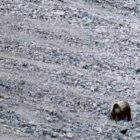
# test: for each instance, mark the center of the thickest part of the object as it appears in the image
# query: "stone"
(69, 135)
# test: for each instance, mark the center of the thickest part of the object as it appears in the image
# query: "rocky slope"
(63, 63)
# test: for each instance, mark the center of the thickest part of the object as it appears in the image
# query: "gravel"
(63, 63)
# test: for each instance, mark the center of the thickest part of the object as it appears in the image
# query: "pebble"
(1, 98)
(69, 135)
(94, 89)
(99, 129)
(137, 70)
(54, 135)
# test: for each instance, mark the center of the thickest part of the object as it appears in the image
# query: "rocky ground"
(63, 63)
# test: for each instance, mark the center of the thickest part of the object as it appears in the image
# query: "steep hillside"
(63, 63)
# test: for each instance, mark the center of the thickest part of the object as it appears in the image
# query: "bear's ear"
(115, 106)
